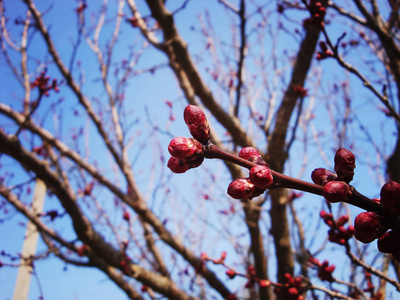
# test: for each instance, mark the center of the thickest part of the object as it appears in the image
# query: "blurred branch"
(242, 50)
(189, 78)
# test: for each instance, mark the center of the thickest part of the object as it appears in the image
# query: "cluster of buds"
(371, 288)
(290, 289)
(370, 226)
(42, 83)
(317, 14)
(325, 52)
(324, 269)
(337, 233)
(336, 185)
(260, 177)
(187, 153)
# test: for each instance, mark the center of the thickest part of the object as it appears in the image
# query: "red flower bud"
(345, 164)
(390, 198)
(231, 273)
(223, 255)
(321, 176)
(177, 165)
(368, 227)
(197, 123)
(126, 216)
(342, 220)
(194, 161)
(389, 242)
(249, 153)
(336, 191)
(181, 147)
(293, 291)
(261, 176)
(264, 283)
(243, 189)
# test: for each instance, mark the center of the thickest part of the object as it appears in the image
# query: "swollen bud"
(197, 123)
(390, 198)
(181, 147)
(177, 165)
(251, 154)
(345, 163)
(336, 191)
(261, 176)
(322, 176)
(368, 227)
(243, 188)
(389, 242)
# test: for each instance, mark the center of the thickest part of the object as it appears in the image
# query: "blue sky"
(145, 102)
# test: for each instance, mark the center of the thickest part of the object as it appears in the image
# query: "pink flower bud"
(242, 189)
(368, 227)
(177, 165)
(292, 292)
(197, 123)
(231, 273)
(251, 154)
(390, 198)
(336, 191)
(264, 283)
(261, 176)
(342, 220)
(181, 147)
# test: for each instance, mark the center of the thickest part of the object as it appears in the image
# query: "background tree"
(83, 108)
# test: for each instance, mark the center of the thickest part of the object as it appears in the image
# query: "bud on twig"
(390, 198)
(336, 191)
(251, 154)
(197, 123)
(322, 176)
(345, 163)
(177, 165)
(243, 189)
(261, 176)
(368, 227)
(181, 147)
(389, 242)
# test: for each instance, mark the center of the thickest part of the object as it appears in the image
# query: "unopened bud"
(197, 123)
(389, 242)
(322, 176)
(342, 220)
(181, 147)
(231, 273)
(251, 154)
(177, 165)
(261, 176)
(336, 191)
(345, 163)
(264, 283)
(368, 227)
(390, 198)
(243, 189)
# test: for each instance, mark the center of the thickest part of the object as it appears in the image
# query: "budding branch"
(283, 181)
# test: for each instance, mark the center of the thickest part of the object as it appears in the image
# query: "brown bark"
(276, 152)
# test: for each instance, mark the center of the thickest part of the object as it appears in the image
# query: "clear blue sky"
(146, 95)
